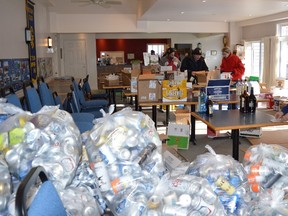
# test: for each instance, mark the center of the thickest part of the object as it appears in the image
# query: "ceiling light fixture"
(182, 12)
(168, 20)
(203, 1)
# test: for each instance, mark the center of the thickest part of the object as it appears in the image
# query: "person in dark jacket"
(196, 63)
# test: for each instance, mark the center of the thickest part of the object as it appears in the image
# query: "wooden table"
(111, 90)
(128, 93)
(191, 102)
(234, 120)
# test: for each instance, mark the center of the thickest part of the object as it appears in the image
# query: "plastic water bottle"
(202, 101)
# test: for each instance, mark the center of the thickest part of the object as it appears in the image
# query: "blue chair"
(84, 104)
(48, 99)
(46, 201)
(33, 101)
(88, 93)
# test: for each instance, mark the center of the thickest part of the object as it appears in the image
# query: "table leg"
(114, 100)
(167, 114)
(220, 106)
(154, 115)
(193, 127)
(136, 102)
(235, 150)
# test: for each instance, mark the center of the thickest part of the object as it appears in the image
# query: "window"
(254, 54)
(158, 48)
(283, 60)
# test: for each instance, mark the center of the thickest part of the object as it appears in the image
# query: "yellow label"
(16, 136)
(225, 185)
(174, 90)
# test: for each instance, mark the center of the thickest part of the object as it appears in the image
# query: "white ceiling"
(177, 10)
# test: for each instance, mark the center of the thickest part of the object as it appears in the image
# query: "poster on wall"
(13, 72)
(31, 45)
(45, 67)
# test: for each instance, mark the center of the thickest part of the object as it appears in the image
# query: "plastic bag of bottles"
(227, 178)
(185, 195)
(265, 165)
(5, 186)
(124, 151)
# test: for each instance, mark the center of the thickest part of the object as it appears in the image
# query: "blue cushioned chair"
(46, 201)
(84, 104)
(33, 101)
(48, 99)
(88, 93)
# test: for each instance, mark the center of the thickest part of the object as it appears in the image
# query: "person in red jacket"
(232, 63)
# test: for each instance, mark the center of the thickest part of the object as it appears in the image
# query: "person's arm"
(282, 113)
(239, 68)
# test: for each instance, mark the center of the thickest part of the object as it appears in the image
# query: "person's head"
(170, 52)
(152, 52)
(197, 53)
(226, 51)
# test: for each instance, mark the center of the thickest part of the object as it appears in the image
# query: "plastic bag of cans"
(265, 165)
(227, 178)
(184, 195)
(271, 202)
(5, 186)
(124, 151)
(48, 138)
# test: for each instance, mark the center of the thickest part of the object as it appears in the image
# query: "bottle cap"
(255, 188)
(185, 200)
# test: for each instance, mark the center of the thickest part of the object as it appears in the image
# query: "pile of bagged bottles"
(118, 166)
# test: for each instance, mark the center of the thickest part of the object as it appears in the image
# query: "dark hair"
(197, 51)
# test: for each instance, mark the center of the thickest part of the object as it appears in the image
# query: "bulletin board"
(118, 55)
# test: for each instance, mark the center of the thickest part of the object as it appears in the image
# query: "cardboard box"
(151, 69)
(112, 82)
(174, 90)
(149, 88)
(171, 157)
(218, 89)
(178, 134)
(182, 116)
(201, 76)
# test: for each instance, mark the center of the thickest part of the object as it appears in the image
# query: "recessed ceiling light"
(250, 14)
(168, 20)
(182, 12)
(203, 1)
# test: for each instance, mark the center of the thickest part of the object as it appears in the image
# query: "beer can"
(106, 154)
(102, 176)
(174, 210)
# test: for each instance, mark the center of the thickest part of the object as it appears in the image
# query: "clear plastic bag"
(124, 150)
(5, 186)
(185, 195)
(265, 165)
(227, 178)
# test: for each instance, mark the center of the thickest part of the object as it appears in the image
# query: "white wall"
(114, 23)
(13, 23)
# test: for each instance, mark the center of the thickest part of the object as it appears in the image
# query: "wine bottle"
(244, 102)
(209, 106)
(252, 102)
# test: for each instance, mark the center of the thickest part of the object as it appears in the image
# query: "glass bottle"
(252, 102)
(239, 87)
(244, 102)
(209, 106)
(202, 101)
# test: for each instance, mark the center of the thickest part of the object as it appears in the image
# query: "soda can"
(174, 210)
(154, 202)
(106, 154)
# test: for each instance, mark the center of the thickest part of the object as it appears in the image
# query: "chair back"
(45, 93)
(45, 202)
(57, 100)
(9, 93)
(32, 97)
